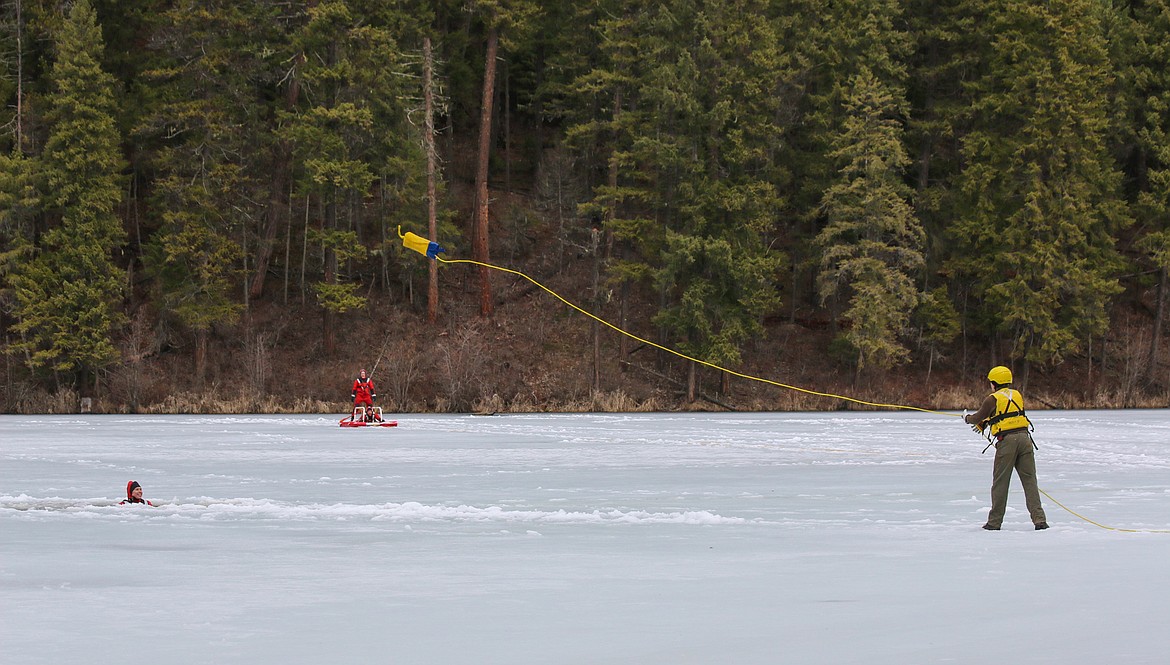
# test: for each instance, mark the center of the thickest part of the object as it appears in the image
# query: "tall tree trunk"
(244, 269)
(329, 320)
(385, 256)
(329, 331)
(661, 357)
(507, 128)
(200, 358)
(596, 328)
(692, 381)
(19, 78)
(275, 215)
(612, 181)
(624, 318)
(1089, 368)
(288, 244)
(929, 369)
(927, 147)
(1159, 312)
(480, 244)
(432, 210)
(277, 212)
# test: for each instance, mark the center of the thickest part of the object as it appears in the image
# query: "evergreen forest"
(206, 197)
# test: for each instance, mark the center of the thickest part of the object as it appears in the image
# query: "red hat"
(130, 487)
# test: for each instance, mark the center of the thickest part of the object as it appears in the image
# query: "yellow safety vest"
(1009, 411)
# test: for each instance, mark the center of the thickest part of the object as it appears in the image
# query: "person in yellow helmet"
(1010, 430)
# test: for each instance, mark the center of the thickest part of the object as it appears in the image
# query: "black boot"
(1040, 526)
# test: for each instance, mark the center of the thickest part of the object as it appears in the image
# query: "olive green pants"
(1014, 451)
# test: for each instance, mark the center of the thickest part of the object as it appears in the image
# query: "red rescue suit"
(363, 392)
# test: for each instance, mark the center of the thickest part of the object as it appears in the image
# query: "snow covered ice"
(579, 539)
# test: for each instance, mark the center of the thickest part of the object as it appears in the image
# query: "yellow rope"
(756, 378)
(1103, 526)
(685, 356)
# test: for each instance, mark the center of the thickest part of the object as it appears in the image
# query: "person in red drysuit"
(363, 394)
(134, 494)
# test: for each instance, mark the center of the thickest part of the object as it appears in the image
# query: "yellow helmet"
(999, 374)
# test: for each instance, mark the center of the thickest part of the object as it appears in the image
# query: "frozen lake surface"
(579, 539)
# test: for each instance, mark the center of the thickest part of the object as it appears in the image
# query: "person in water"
(134, 494)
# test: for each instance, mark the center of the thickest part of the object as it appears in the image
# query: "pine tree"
(327, 134)
(209, 148)
(12, 38)
(940, 324)
(948, 46)
(689, 130)
(506, 21)
(872, 243)
(195, 261)
(18, 205)
(351, 132)
(833, 42)
(1150, 80)
(69, 296)
(592, 88)
(730, 208)
(1040, 190)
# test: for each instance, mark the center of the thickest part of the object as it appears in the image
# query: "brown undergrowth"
(536, 355)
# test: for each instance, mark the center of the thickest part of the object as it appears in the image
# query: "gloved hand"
(977, 428)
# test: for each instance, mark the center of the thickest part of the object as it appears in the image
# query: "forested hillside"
(201, 202)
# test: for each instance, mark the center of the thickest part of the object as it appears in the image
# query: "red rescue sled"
(367, 417)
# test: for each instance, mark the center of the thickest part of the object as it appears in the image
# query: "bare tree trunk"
(692, 381)
(480, 244)
(19, 78)
(596, 327)
(612, 181)
(382, 245)
(1159, 312)
(244, 269)
(792, 297)
(929, 368)
(507, 128)
(432, 214)
(288, 244)
(562, 238)
(276, 215)
(660, 358)
(200, 358)
(304, 249)
(624, 318)
(927, 148)
(329, 331)
(329, 320)
(1089, 368)
(1104, 356)
(963, 321)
